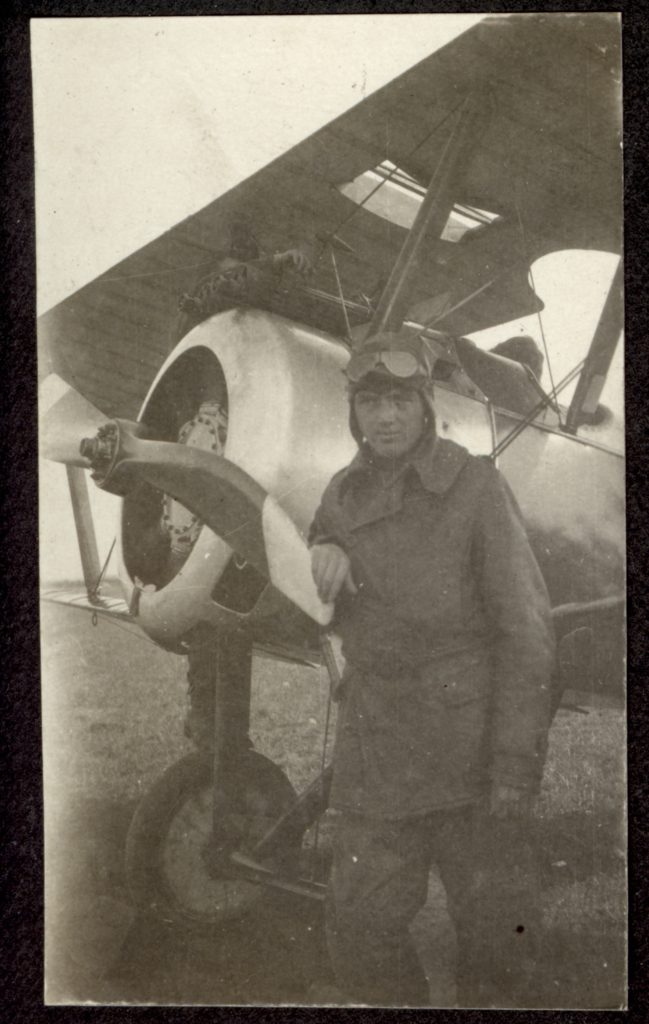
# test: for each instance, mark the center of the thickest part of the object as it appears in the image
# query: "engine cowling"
(276, 390)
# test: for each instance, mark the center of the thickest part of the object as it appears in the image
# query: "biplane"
(424, 207)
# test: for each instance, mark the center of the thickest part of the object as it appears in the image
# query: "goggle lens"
(399, 364)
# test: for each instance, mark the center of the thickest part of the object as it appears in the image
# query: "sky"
(140, 122)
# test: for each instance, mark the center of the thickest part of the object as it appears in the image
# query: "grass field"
(113, 706)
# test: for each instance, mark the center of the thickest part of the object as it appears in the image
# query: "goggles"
(397, 363)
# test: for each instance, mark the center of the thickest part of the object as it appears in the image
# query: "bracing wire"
(95, 589)
(340, 292)
(346, 219)
(458, 305)
(384, 180)
(547, 400)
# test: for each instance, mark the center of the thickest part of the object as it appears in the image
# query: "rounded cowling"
(281, 390)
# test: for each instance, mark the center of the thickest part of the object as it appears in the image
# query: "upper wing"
(546, 167)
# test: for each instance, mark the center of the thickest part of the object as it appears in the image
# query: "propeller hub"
(100, 449)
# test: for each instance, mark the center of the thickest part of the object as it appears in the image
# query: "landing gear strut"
(169, 873)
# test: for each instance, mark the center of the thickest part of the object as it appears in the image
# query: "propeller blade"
(249, 519)
(289, 562)
(65, 416)
(226, 499)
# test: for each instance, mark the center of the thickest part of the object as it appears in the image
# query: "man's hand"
(510, 802)
(296, 260)
(331, 569)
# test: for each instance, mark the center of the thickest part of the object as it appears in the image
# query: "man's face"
(391, 421)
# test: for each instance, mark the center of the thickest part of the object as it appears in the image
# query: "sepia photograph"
(332, 510)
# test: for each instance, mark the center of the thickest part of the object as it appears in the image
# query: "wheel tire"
(165, 871)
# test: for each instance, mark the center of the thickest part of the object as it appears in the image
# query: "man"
(444, 709)
(242, 277)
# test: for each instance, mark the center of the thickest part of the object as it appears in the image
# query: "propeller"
(64, 417)
(223, 496)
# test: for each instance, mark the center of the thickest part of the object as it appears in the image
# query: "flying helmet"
(387, 360)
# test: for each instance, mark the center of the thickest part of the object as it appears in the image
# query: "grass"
(113, 707)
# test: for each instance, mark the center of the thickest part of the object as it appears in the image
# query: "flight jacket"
(449, 642)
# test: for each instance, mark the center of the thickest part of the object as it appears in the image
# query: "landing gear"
(171, 866)
(217, 830)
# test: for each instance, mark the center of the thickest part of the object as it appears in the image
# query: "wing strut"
(431, 217)
(590, 384)
(85, 529)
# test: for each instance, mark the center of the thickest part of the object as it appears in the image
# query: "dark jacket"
(449, 642)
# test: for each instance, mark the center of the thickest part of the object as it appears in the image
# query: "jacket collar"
(436, 461)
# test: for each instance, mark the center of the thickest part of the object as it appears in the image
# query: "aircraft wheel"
(165, 870)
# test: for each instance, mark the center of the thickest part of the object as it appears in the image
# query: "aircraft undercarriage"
(210, 836)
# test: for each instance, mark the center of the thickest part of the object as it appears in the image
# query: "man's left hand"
(296, 260)
(510, 802)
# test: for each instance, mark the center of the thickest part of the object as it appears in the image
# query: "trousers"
(379, 881)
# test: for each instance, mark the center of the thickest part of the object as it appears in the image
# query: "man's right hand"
(331, 569)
